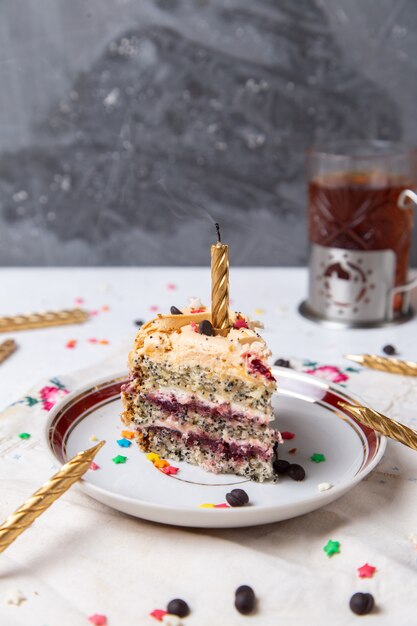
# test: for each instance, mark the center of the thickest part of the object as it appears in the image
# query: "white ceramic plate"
(304, 405)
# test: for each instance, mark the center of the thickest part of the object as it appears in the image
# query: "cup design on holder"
(360, 219)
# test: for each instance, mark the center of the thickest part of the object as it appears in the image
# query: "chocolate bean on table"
(282, 363)
(237, 497)
(389, 349)
(178, 607)
(206, 328)
(280, 466)
(245, 599)
(361, 603)
(296, 472)
(175, 311)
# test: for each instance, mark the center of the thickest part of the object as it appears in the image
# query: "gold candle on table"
(384, 364)
(46, 495)
(42, 320)
(220, 286)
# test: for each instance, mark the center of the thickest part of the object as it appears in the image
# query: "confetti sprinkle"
(317, 457)
(194, 326)
(93, 438)
(79, 301)
(171, 620)
(128, 434)
(259, 311)
(105, 308)
(200, 310)
(119, 459)
(324, 486)
(15, 596)
(104, 342)
(71, 343)
(240, 323)
(332, 547)
(94, 466)
(170, 469)
(206, 505)
(158, 614)
(151, 456)
(366, 571)
(124, 443)
(223, 505)
(171, 287)
(93, 313)
(92, 340)
(98, 620)
(154, 307)
(292, 451)
(24, 435)
(161, 463)
(413, 539)
(287, 435)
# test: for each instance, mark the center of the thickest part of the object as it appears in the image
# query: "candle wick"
(219, 239)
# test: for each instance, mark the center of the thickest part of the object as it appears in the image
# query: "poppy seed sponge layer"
(201, 398)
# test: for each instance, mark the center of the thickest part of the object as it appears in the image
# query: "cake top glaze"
(177, 338)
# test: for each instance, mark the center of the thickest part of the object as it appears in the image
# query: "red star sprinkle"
(170, 470)
(158, 614)
(94, 466)
(98, 620)
(287, 435)
(223, 505)
(366, 571)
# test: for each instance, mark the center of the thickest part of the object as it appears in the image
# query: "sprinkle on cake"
(201, 398)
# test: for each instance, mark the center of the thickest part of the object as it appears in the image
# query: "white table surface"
(81, 557)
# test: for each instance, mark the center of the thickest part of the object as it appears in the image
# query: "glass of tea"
(360, 220)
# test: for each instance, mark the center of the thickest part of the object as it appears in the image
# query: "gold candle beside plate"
(42, 499)
(42, 320)
(7, 348)
(384, 364)
(383, 424)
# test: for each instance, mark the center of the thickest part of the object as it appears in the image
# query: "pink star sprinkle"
(94, 466)
(158, 614)
(171, 286)
(98, 620)
(154, 307)
(71, 343)
(287, 435)
(366, 571)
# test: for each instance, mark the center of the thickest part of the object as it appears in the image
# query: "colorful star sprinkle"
(161, 464)
(154, 308)
(93, 438)
(170, 470)
(324, 486)
(332, 547)
(171, 287)
(259, 311)
(209, 505)
(128, 434)
(317, 457)
(98, 620)
(24, 435)
(94, 466)
(366, 571)
(287, 435)
(124, 443)
(119, 459)
(71, 343)
(158, 614)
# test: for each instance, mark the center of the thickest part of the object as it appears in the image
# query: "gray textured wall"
(101, 99)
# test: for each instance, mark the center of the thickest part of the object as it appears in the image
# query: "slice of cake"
(201, 398)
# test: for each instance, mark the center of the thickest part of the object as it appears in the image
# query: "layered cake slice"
(201, 398)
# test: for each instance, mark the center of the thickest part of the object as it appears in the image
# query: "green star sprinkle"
(317, 458)
(119, 459)
(24, 436)
(332, 547)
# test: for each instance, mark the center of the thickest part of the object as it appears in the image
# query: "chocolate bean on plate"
(389, 349)
(245, 599)
(280, 466)
(296, 472)
(178, 607)
(237, 497)
(361, 603)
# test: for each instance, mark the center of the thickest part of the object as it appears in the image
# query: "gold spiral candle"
(42, 320)
(220, 286)
(384, 364)
(7, 348)
(42, 499)
(383, 424)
